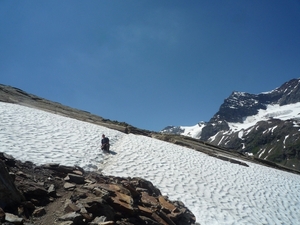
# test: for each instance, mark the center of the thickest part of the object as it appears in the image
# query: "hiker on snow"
(105, 143)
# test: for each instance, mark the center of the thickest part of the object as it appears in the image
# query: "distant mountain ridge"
(265, 125)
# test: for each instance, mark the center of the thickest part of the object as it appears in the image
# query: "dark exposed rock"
(2, 215)
(9, 194)
(90, 198)
(74, 178)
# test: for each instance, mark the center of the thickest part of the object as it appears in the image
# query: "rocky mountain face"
(240, 105)
(272, 138)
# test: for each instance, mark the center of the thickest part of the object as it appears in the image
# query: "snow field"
(217, 192)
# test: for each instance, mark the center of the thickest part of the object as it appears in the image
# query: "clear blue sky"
(148, 63)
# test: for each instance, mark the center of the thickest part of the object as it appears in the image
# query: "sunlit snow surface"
(285, 112)
(216, 191)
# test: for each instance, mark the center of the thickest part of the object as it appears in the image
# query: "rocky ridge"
(57, 194)
(239, 105)
(272, 141)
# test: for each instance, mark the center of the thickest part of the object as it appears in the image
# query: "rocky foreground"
(63, 195)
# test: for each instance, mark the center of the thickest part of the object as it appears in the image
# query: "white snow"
(240, 134)
(216, 191)
(295, 124)
(221, 140)
(193, 131)
(285, 112)
(285, 140)
(291, 111)
(261, 153)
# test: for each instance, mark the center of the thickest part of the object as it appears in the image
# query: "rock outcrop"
(9, 195)
(56, 194)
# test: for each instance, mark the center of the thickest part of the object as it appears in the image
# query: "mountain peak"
(265, 125)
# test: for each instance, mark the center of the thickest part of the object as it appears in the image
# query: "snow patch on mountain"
(189, 131)
(193, 131)
(276, 111)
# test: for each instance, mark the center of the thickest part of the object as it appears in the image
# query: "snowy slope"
(285, 112)
(216, 191)
(193, 131)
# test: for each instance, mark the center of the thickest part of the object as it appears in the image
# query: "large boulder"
(9, 194)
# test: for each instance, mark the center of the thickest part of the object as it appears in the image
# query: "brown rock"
(98, 207)
(141, 183)
(165, 204)
(71, 207)
(101, 193)
(74, 178)
(113, 200)
(39, 212)
(145, 211)
(165, 218)
(69, 186)
(159, 219)
(33, 190)
(134, 193)
(119, 205)
(149, 200)
(124, 198)
(114, 188)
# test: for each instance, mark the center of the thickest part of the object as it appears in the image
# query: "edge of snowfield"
(216, 191)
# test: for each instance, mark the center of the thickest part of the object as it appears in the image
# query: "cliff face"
(240, 105)
(273, 138)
